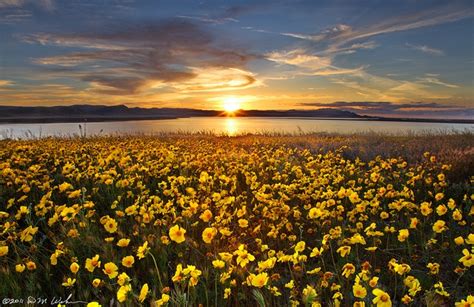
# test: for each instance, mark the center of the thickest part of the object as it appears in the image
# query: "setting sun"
(231, 104)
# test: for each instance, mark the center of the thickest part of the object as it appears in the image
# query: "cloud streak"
(432, 80)
(47, 5)
(342, 34)
(426, 49)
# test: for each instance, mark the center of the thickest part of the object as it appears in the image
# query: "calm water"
(221, 125)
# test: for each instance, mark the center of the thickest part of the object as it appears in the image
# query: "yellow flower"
(243, 223)
(425, 209)
(28, 233)
(92, 263)
(123, 279)
(309, 294)
(348, 269)
(111, 270)
(69, 282)
(128, 261)
(96, 282)
(403, 235)
(30, 265)
(439, 226)
(3, 250)
(457, 215)
(110, 225)
(406, 299)
(468, 302)
(258, 280)
(94, 304)
(20, 268)
(413, 222)
(123, 242)
(315, 213)
(373, 281)
(468, 259)
(243, 256)
(459, 240)
(433, 267)
(439, 288)
(74, 194)
(227, 257)
(122, 293)
(64, 186)
(357, 239)
(143, 250)
(344, 250)
(439, 196)
(74, 267)
(316, 252)
(227, 292)
(218, 264)
(401, 268)
(176, 233)
(208, 234)
(267, 264)
(354, 197)
(441, 210)
(359, 291)
(300, 246)
(290, 284)
(54, 256)
(206, 216)
(381, 299)
(143, 293)
(178, 275)
(163, 300)
(314, 271)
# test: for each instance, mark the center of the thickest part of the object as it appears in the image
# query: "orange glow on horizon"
(231, 104)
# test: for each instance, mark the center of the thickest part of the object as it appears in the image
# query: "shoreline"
(82, 120)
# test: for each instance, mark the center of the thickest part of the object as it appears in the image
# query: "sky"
(393, 58)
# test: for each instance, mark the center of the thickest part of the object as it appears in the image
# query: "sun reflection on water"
(231, 126)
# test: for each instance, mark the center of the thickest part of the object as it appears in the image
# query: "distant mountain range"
(97, 113)
(91, 113)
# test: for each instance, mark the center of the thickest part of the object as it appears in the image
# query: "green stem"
(215, 290)
(157, 271)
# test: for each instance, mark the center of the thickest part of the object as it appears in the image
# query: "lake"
(226, 125)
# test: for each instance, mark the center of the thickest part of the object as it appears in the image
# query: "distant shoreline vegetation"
(92, 113)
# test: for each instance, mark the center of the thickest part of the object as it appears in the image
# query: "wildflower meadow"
(238, 221)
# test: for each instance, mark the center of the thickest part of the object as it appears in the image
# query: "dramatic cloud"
(413, 109)
(282, 53)
(130, 59)
(426, 49)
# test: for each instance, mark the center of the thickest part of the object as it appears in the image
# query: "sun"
(231, 104)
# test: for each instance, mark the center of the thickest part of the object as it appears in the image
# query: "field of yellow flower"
(243, 221)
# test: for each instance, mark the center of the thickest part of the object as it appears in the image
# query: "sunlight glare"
(231, 104)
